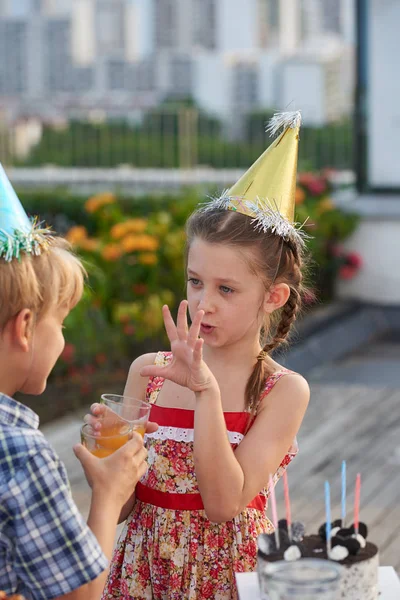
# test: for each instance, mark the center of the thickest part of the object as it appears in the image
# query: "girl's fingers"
(182, 324)
(198, 352)
(94, 422)
(170, 326)
(151, 427)
(195, 328)
(153, 371)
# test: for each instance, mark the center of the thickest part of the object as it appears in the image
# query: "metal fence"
(167, 139)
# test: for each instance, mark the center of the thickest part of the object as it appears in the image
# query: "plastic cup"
(305, 579)
(126, 410)
(103, 444)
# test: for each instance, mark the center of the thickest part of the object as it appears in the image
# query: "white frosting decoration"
(338, 553)
(334, 531)
(360, 539)
(180, 434)
(292, 553)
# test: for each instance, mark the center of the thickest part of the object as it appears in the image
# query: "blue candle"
(343, 493)
(328, 515)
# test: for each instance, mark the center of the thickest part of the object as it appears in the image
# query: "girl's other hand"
(95, 418)
(187, 367)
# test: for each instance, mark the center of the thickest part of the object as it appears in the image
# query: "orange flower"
(135, 225)
(147, 242)
(96, 202)
(107, 198)
(325, 205)
(92, 205)
(300, 195)
(76, 234)
(129, 243)
(142, 242)
(112, 252)
(148, 258)
(89, 244)
(118, 231)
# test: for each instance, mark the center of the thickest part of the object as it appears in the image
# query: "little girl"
(228, 414)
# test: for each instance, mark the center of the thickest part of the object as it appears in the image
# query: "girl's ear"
(276, 297)
(21, 329)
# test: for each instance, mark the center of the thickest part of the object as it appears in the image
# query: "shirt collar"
(15, 414)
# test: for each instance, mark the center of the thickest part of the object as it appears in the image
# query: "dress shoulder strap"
(155, 383)
(272, 380)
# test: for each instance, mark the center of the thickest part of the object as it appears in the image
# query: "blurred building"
(63, 57)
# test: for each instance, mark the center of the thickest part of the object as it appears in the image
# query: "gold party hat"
(266, 192)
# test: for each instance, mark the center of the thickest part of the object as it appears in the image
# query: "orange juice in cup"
(103, 443)
(139, 428)
(125, 409)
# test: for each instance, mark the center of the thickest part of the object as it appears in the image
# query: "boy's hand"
(116, 475)
(187, 367)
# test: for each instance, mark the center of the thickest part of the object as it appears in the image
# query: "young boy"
(46, 549)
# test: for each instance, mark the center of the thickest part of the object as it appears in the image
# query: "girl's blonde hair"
(54, 278)
(273, 259)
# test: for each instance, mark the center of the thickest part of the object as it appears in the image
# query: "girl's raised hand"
(187, 367)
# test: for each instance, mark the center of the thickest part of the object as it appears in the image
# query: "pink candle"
(274, 510)
(287, 503)
(357, 503)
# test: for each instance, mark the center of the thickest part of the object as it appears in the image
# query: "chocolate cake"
(359, 557)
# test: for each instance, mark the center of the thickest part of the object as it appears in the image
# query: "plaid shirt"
(46, 548)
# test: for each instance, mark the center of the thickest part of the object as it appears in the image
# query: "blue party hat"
(18, 233)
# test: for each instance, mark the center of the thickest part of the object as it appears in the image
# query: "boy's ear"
(22, 328)
(276, 297)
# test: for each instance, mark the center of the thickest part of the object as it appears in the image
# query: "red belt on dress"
(183, 501)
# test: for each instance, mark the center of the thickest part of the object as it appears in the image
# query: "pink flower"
(129, 329)
(68, 353)
(207, 590)
(144, 570)
(86, 388)
(347, 272)
(101, 359)
(73, 372)
(305, 178)
(354, 260)
(317, 187)
(179, 466)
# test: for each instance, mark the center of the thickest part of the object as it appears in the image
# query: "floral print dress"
(168, 549)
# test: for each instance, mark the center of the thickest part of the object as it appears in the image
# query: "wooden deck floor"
(359, 424)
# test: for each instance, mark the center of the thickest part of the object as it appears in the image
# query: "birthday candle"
(343, 493)
(287, 504)
(328, 517)
(357, 503)
(274, 510)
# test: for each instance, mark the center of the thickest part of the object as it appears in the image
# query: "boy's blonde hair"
(54, 278)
